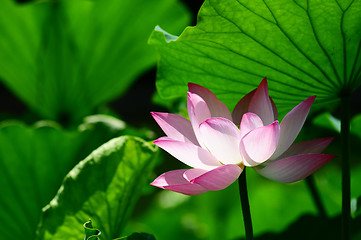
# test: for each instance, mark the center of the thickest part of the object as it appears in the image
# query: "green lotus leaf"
(303, 47)
(103, 187)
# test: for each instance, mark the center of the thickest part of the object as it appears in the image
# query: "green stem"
(245, 205)
(310, 181)
(346, 192)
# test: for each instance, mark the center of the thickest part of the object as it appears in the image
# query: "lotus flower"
(217, 150)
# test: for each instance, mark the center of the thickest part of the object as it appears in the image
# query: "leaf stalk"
(346, 189)
(245, 205)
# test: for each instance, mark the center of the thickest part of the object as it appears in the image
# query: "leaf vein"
(347, 80)
(243, 5)
(270, 50)
(298, 5)
(299, 49)
(322, 48)
(264, 64)
(236, 68)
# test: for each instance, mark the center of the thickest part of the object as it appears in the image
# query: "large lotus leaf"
(33, 163)
(104, 188)
(304, 48)
(64, 58)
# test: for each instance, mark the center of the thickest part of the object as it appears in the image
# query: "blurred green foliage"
(64, 58)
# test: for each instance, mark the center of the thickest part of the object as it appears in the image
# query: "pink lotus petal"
(193, 173)
(174, 181)
(249, 122)
(274, 108)
(312, 146)
(216, 179)
(241, 108)
(292, 124)
(188, 153)
(259, 144)
(216, 107)
(221, 137)
(261, 105)
(198, 112)
(176, 127)
(295, 168)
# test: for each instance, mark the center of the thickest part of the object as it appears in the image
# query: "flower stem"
(245, 205)
(346, 192)
(310, 181)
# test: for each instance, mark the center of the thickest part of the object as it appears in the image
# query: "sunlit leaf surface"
(304, 47)
(104, 188)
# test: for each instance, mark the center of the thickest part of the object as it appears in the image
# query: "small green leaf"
(90, 232)
(304, 48)
(104, 187)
